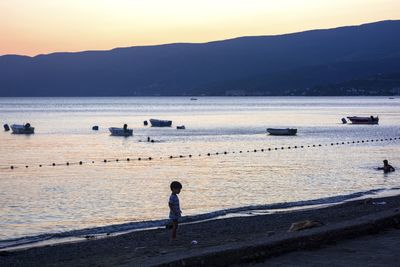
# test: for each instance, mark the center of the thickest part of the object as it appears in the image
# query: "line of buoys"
(12, 167)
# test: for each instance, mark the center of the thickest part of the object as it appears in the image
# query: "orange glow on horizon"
(45, 26)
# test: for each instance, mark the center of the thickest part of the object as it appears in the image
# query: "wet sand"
(153, 247)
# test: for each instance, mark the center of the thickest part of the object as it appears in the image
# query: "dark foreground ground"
(247, 240)
(381, 249)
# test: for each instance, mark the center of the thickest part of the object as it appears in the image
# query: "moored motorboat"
(22, 129)
(115, 131)
(364, 120)
(282, 131)
(160, 123)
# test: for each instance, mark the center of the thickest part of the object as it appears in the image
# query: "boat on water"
(193, 99)
(115, 131)
(22, 129)
(364, 120)
(181, 127)
(282, 131)
(160, 123)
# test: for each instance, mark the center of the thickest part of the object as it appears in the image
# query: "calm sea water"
(38, 200)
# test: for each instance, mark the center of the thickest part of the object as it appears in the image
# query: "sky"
(31, 27)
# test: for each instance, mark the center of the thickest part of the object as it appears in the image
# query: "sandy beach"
(153, 248)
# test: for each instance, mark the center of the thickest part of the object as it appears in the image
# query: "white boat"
(115, 131)
(364, 120)
(160, 123)
(22, 129)
(287, 131)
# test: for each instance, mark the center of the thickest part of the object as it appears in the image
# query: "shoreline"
(99, 232)
(152, 247)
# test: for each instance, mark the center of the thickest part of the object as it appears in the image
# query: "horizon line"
(195, 43)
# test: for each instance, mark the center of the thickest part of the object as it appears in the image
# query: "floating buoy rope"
(130, 159)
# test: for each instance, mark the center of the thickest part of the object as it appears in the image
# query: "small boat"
(193, 99)
(182, 127)
(364, 120)
(6, 127)
(22, 129)
(95, 128)
(160, 123)
(287, 131)
(121, 131)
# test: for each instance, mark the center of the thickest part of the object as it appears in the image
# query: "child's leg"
(174, 228)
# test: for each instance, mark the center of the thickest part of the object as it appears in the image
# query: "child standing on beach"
(174, 207)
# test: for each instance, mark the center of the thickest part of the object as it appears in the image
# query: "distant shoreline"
(206, 96)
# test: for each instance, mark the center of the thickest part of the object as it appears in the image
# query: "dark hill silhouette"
(262, 64)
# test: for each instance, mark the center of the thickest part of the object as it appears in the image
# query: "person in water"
(174, 207)
(386, 167)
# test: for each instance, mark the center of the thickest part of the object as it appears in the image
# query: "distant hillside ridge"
(260, 65)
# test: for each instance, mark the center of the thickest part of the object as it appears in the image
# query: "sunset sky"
(31, 27)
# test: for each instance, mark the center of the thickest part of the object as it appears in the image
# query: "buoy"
(150, 158)
(67, 163)
(12, 167)
(171, 157)
(190, 156)
(80, 162)
(53, 164)
(26, 166)
(105, 161)
(116, 160)
(139, 159)
(128, 159)
(208, 154)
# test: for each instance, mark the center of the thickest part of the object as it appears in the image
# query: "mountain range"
(288, 64)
